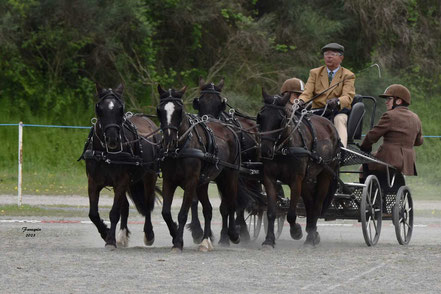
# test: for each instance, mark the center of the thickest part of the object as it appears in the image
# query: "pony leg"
(227, 186)
(295, 228)
(224, 240)
(207, 210)
(114, 215)
(245, 190)
(123, 235)
(168, 191)
(149, 188)
(241, 223)
(323, 183)
(189, 193)
(94, 216)
(195, 225)
(270, 187)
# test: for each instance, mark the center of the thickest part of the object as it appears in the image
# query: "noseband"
(163, 127)
(172, 99)
(111, 125)
(264, 136)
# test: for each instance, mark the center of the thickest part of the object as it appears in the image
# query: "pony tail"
(136, 192)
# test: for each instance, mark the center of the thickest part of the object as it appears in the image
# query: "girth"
(123, 158)
(133, 157)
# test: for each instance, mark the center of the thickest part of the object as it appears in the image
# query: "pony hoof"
(110, 247)
(224, 243)
(123, 238)
(176, 250)
(197, 236)
(235, 240)
(267, 247)
(245, 236)
(312, 239)
(296, 232)
(206, 246)
(149, 242)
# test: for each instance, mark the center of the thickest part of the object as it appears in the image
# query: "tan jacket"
(318, 81)
(401, 130)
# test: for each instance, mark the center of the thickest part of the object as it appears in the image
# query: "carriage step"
(344, 196)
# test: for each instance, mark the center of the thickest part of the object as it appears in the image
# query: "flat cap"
(397, 90)
(333, 47)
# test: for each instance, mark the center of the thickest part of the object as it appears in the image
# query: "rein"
(295, 107)
(194, 123)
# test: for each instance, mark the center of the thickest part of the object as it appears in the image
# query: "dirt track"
(70, 258)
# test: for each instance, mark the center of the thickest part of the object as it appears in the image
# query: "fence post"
(20, 161)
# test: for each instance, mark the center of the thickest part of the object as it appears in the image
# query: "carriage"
(382, 196)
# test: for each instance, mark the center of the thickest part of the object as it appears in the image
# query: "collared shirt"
(333, 71)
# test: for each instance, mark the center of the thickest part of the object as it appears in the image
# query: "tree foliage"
(52, 52)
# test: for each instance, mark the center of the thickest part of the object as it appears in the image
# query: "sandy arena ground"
(68, 256)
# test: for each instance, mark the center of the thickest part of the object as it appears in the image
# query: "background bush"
(52, 52)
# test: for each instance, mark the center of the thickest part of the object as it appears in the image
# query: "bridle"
(285, 124)
(104, 128)
(264, 136)
(210, 90)
(163, 127)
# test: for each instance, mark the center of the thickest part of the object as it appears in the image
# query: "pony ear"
(285, 98)
(266, 98)
(220, 85)
(119, 90)
(201, 82)
(183, 89)
(196, 103)
(160, 90)
(99, 89)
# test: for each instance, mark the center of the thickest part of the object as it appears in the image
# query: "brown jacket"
(318, 81)
(401, 130)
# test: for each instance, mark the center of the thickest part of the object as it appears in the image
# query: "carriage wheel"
(279, 222)
(402, 215)
(254, 223)
(371, 210)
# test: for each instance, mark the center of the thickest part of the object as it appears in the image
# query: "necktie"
(330, 74)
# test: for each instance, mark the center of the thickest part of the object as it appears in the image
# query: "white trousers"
(341, 124)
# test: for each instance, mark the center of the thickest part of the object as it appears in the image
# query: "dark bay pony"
(196, 152)
(118, 156)
(301, 151)
(211, 103)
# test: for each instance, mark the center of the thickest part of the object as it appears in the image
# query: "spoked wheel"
(254, 223)
(371, 210)
(278, 223)
(402, 215)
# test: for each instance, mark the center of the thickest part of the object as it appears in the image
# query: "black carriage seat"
(355, 119)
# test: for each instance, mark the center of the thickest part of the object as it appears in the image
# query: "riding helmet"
(293, 85)
(397, 90)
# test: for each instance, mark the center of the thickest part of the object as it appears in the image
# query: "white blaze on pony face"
(111, 105)
(169, 108)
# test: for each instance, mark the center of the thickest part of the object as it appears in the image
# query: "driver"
(400, 129)
(338, 98)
